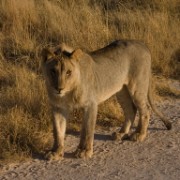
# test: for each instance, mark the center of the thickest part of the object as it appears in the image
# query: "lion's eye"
(68, 73)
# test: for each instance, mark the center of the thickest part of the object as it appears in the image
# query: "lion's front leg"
(85, 148)
(59, 128)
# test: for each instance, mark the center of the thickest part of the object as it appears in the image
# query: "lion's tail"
(166, 122)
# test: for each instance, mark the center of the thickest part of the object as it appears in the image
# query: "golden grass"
(24, 111)
(26, 26)
(166, 88)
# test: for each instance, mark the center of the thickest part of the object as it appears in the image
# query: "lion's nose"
(59, 89)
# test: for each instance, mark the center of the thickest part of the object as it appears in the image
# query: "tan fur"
(76, 79)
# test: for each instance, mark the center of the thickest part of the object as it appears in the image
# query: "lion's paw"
(119, 136)
(85, 154)
(139, 137)
(54, 155)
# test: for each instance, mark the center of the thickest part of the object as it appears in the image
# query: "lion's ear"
(47, 54)
(76, 54)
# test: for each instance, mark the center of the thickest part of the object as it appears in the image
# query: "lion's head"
(61, 69)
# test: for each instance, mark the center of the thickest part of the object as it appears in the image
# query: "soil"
(158, 157)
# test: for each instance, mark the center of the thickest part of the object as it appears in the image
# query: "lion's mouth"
(61, 94)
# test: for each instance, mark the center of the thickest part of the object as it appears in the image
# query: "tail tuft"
(168, 125)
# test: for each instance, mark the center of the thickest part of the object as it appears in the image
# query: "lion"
(76, 79)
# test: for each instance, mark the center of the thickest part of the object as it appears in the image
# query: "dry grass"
(24, 116)
(166, 88)
(25, 27)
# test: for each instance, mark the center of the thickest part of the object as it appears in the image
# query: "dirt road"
(158, 157)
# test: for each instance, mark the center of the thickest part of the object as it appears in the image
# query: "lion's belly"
(105, 94)
(110, 83)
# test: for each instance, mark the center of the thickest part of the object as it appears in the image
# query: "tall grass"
(27, 26)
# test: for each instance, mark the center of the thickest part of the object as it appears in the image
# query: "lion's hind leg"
(129, 110)
(142, 106)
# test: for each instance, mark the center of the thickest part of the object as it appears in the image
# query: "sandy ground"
(158, 157)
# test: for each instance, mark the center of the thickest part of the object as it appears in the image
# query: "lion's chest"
(68, 102)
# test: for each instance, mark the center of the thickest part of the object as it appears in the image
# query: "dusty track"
(158, 157)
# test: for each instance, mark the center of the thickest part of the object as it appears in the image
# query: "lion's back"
(123, 55)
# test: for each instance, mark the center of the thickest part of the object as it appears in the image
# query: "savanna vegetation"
(29, 25)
